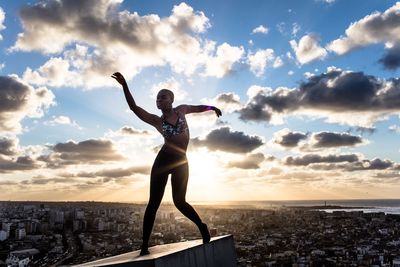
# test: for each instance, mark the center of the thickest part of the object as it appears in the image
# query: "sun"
(205, 175)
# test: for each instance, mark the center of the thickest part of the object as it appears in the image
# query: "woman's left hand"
(217, 111)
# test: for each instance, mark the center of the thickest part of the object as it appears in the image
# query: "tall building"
(20, 233)
(6, 226)
(79, 214)
(3, 235)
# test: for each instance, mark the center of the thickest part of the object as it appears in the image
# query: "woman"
(171, 159)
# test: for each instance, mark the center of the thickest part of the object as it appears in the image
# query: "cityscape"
(281, 118)
(68, 233)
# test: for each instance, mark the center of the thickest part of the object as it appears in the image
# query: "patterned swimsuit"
(169, 130)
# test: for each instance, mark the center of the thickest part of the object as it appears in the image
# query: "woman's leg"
(179, 180)
(158, 180)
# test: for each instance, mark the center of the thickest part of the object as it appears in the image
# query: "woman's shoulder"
(181, 109)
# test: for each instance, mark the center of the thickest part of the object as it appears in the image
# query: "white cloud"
(222, 63)
(171, 84)
(55, 72)
(295, 29)
(327, 1)
(258, 61)
(260, 29)
(63, 120)
(308, 49)
(116, 40)
(372, 29)
(281, 27)
(227, 102)
(256, 89)
(394, 128)
(328, 95)
(2, 18)
(202, 120)
(19, 100)
(290, 72)
(308, 74)
(277, 62)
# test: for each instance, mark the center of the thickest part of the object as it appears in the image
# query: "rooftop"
(219, 252)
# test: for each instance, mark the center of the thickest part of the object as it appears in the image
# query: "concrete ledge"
(219, 252)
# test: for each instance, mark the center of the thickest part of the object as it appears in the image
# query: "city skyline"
(309, 94)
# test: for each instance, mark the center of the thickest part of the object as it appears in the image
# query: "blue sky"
(309, 92)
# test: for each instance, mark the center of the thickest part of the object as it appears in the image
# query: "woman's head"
(165, 98)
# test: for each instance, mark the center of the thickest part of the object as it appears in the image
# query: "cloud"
(259, 60)
(369, 130)
(90, 151)
(286, 138)
(2, 18)
(228, 102)
(9, 146)
(111, 173)
(49, 26)
(224, 139)
(277, 63)
(171, 84)
(332, 139)
(372, 29)
(295, 29)
(63, 120)
(334, 95)
(374, 164)
(391, 59)
(394, 128)
(89, 40)
(252, 111)
(127, 133)
(308, 49)
(19, 100)
(315, 158)
(127, 130)
(55, 72)
(228, 98)
(21, 163)
(202, 120)
(315, 141)
(281, 27)
(222, 62)
(345, 162)
(260, 29)
(251, 161)
(327, 1)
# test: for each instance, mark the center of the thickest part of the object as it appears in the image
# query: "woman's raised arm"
(140, 112)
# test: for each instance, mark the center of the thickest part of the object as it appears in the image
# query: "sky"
(309, 92)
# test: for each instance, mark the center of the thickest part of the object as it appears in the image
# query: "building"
(3, 235)
(20, 233)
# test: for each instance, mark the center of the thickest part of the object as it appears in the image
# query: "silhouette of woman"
(171, 158)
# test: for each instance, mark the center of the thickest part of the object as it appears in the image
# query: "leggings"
(175, 164)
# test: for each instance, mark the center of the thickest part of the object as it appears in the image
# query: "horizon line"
(200, 201)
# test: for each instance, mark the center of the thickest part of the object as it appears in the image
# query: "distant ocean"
(388, 206)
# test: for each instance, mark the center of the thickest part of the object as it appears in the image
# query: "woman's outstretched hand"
(120, 79)
(217, 111)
